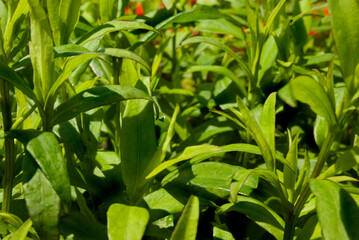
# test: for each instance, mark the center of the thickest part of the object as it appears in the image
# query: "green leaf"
(42, 201)
(41, 51)
(13, 25)
(221, 26)
(268, 122)
(114, 26)
(160, 154)
(345, 24)
(163, 201)
(259, 213)
(63, 16)
(84, 56)
(220, 70)
(188, 153)
(107, 10)
(221, 232)
(272, 17)
(82, 227)
(222, 46)
(337, 210)
(320, 130)
(199, 12)
(13, 78)
(309, 91)
(138, 143)
(210, 180)
(345, 162)
(126, 222)
(268, 56)
(253, 127)
(93, 98)
(44, 148)
(290, 176)
(21, 233)
(186, 228)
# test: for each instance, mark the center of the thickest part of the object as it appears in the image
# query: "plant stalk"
(9, 145)
(302, 199)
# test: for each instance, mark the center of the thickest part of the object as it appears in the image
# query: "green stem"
(302, 199)
(9, 145)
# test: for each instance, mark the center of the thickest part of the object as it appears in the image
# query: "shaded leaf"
(309, 91)
(42, 201)
(337, 210)
(259, 213)
(45, 149)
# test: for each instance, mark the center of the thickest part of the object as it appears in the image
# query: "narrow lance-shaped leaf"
(11, 27)
(21, 233)
(161, 150)
(114, 26)
(221, 70)
(138, 143)
(75, 62)
(344, 163)
(199, 12)
(290, 176)
(186, 228)
(257, 134)
(216, 42)
(268, 122)
(126, 222)
(259, 213)
(337, 210)
(95, 97)
(309, 91)
(188, 153)
(41, 50)
(345, 24)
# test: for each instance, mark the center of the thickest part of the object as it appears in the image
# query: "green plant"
(224, 120)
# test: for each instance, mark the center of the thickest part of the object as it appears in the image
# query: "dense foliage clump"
(179, 120)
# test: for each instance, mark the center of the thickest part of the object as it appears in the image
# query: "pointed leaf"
(188, 153)
(337, 210)
(126, 222)
(268, 122)
(95, 97)
(309, 91)
(84, 56)
(138, 143)
(41, 50)
(259, 213)
(344, 163)
(21, 233)
(186, 228)
(345, 24)
(218, 43)
(257, 134)
(114, 26)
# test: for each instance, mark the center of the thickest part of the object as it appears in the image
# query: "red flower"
(160, 5)
(139, 9)
(127, 10)
(312, 32)
(326, 11)
(192, 1)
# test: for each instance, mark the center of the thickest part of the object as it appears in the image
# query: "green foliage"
(179, 119)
